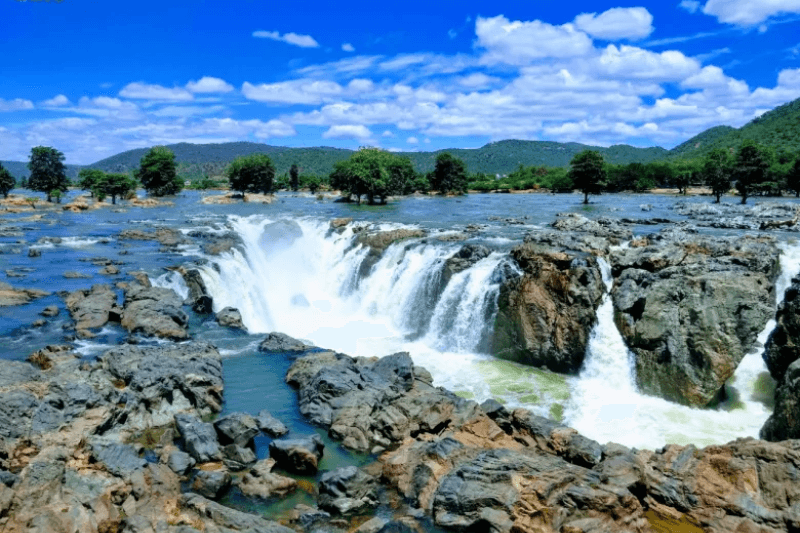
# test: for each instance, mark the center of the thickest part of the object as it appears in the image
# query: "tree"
(114, 185)
(717, 172)
(55, 193)
(793, 178)
(88, 177)
(7, 181)
(751, 168)
(373, 173)
(48, 172)
(682, 180)
(253, 173)
(158, 173)
(449, 175)
(587, 173)
(294, 177)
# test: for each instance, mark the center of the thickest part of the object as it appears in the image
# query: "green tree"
(793, 178)
(114, 185)
(682, 180)
(373, 173)
(158, 173)
(588, 173)
(7, 181)
(294, 177)
(312, 182)
(253, 173)
(88, 177)
(449, 175)
(717, 172)
(48, 172)
(751, 168)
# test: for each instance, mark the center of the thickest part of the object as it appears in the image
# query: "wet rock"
(497, 412)
(347, 490)
(10, 296)
(201, 301)
(92, 309)
(279, 342)
(378, 242)
(690, 308)
(261, 482)
(270, 425)
(119, 459)
(237, 458)
(546, 316)
(71, 274)
(225, 517)
(236, 428)
(230, 318)
(50, 311)
(299, 455)
(34, 252)
(154, 312)
(607, 228)
(763, 215)
(337, 223)
(110, 270)
(180, 462)
(165, 236)
(199, 438)
(211, 484)
(463, 259)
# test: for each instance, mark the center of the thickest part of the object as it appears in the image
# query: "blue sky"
(93, 79)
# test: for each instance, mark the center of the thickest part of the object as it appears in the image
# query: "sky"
(93, 79)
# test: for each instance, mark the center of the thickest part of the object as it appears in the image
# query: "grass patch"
(557, 412)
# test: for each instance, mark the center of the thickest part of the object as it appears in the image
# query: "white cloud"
(690, 5)
(348, 131)
(17, 104)
(387, 133)
(412, 140)
(632, 62)
(749, 12)
(452, 33)
(144, 91)
(477, 80)
(518, 43)
(186, 110)
(292, 92)
(617, 23)
(303, 41)
(347, 47)
(207, 84)
(56, 101)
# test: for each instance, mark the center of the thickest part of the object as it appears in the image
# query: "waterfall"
(606, 406)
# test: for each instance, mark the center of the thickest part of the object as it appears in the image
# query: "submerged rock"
(10, 296)
(280, 342)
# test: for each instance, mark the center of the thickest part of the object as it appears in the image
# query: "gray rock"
(7, 478)
(91, 309)
(261, 482)
(236, 428)
(300, 455)
(154, 312)
(347, 490)
(211, 484)
(180, 462)
(200, 438)
(230, 318)
(237, 458)
(270, 425)
(16, 411)
(199, 297)
(50, 311)
(280, 342)
(34, 252)
(466, 257)
(119, 459)
(225, 517)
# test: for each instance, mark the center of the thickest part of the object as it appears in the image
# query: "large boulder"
(347, 490)
(230, 317)
(690, 309)
(199, 297)
(154, 312)
(212, 484)
(546, 316)
(199, 438)
(92, 309)
(12, 296)
(300, 455)
(464, 258)
(270, 425)
(280, 342)
(236, 428)
(261, 482)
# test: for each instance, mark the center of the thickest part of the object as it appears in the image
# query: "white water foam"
(606, 406)
(171, 280)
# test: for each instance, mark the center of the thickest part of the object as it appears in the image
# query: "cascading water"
(606, 406)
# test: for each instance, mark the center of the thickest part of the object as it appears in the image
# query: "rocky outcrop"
(690, 308)
(261, 482)
(154, 312)
(760, 216)
(463, 259)
(607, 228)
(165, 236)
(12, 296)
(379, 241)
(781, 355)
(230, 317)
(299, 455)
(279, 342)
(199, 297)
(545, 317)
(92, 309)
(347, 490)
(270, 425)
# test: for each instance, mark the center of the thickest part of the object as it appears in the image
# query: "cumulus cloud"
(412, 140)
(690, 5)
(56, 101)
(17, 104)
(749, 12)
(303, 41)
(617, 23)
(347, 47)
(292, 92)
(348, 131)
(207, 84)
(144, 91)
(518, 43)
(633, 62)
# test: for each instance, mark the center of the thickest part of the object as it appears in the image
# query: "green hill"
(779, 129)
(19, 169)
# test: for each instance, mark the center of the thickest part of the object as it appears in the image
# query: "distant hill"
(19, 169)
(779, 128)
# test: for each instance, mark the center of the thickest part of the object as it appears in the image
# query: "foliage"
(312, 183)
(88, 177)
(32, 201)
(157, 172)
(449, 175)
(114, 185)
(793, 177)
(7, 181)
(253, 173)
(751, 168)
(204, 183)
(48, 173)
(55, 193)
(588, 173)
(717, 172)
(373, 173)
(294, 177)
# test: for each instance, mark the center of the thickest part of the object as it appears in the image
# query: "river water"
(296, 276)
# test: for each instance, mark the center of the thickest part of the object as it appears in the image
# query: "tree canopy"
(751, 168)
(373, 173)
(114, 185)
(157, 172)
(294, 177)
(253, 173)
(717, 172)
(7, 182)
(449, 175)
(88, 177)
(793, 177)
(48, 172)
(588, 173)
